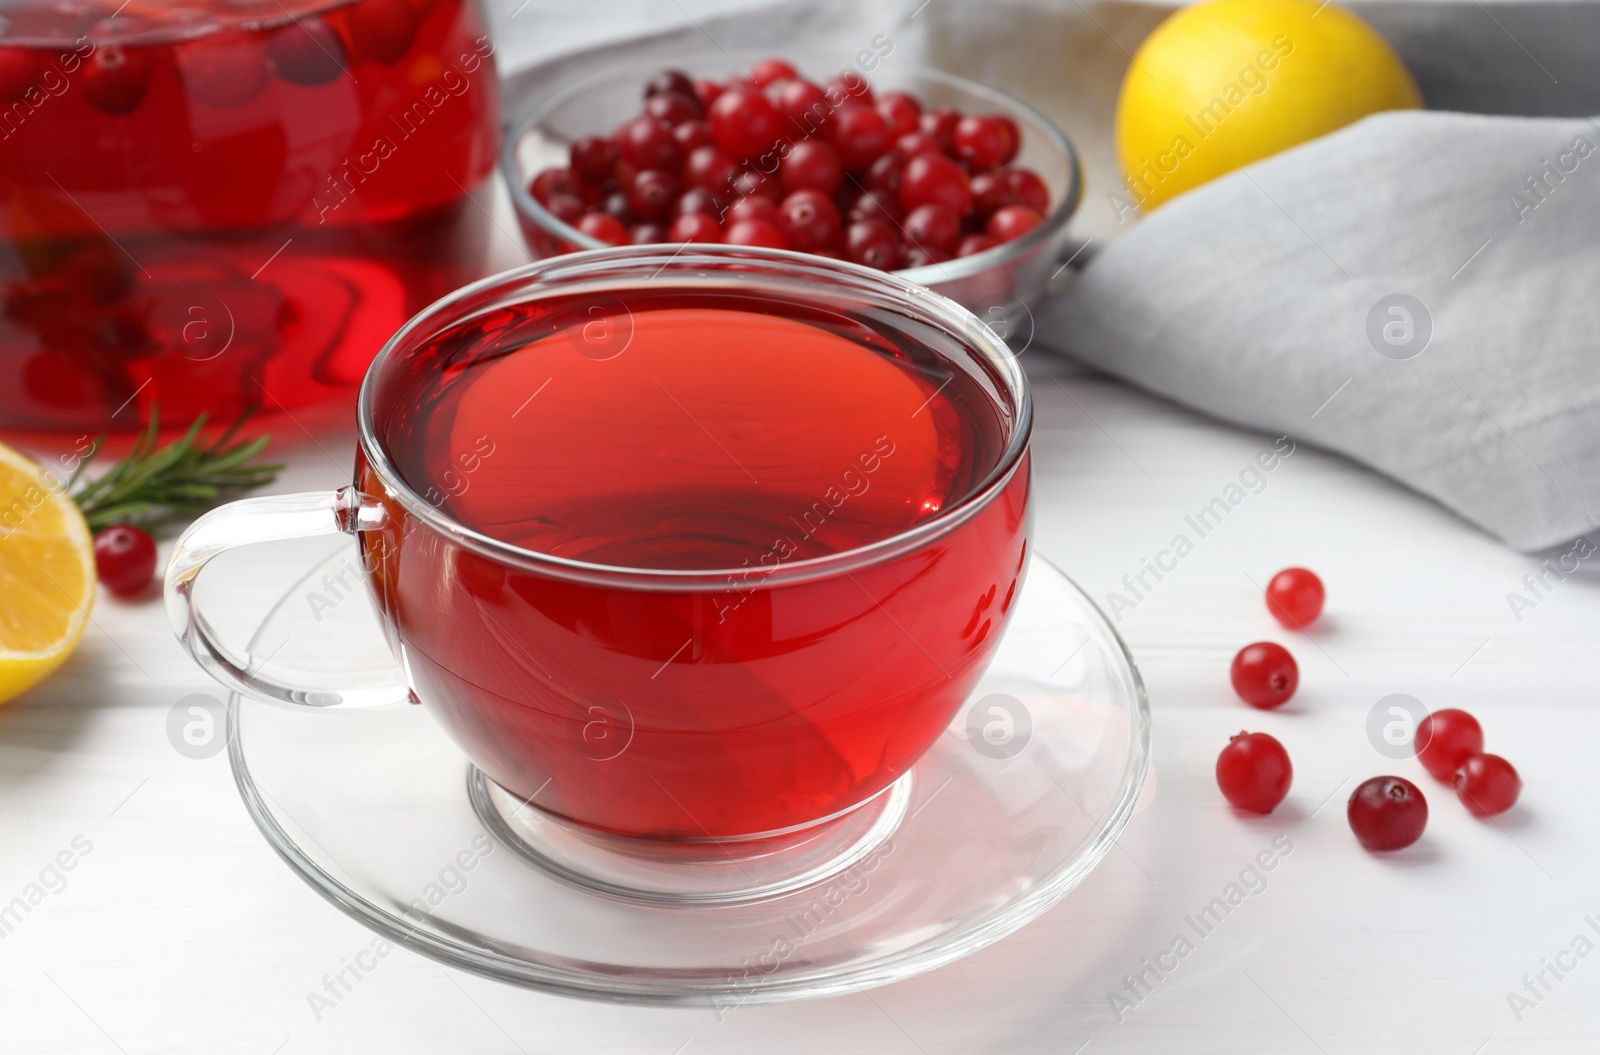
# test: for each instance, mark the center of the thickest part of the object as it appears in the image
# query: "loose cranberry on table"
(1254, 772)
(1295, 597)
(1264, 674)
(124, 559)
(1487, 784)
(1445, 739)
(1387, 813)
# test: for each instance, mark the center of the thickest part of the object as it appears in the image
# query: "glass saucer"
(1011, 808)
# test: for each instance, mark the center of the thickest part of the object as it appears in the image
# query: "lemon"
(46, 574)
(1228, 82)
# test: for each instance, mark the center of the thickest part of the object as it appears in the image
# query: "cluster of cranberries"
(124, 559)
(775, 160)
(1388, 812)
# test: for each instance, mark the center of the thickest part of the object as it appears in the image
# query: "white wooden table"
(178, 930)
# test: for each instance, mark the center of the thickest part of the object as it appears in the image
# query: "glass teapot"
(224, 203)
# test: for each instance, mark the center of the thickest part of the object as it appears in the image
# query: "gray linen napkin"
(1419, 291)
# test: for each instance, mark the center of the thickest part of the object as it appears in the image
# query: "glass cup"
(653, 709)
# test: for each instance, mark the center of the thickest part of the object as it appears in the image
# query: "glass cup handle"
(269, 519)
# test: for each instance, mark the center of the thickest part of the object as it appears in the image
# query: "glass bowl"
(997, 285)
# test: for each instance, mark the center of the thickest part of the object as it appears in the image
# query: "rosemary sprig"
(154, 486)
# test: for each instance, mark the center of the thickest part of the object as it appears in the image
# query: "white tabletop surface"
(179, 930)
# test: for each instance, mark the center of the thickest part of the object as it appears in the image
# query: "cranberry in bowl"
(947, 183)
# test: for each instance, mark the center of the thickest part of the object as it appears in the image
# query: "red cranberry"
(604, 227)
(756, 207)
(900, 111)
(115, 79)
(307, 51)
(652, 194)
(1387, 813)
(124, 559)
(698, 200)
(850, 85)
(707, 90)
(670, 81)
(914, 143)
(647, 143)
(1264, 674)
(933, 227)
(884, 173)
(809, 220)
(979, 141)
(771, 71)
(974, 244)
(1254, 772)
(382, 30)
(752, 182)
(940, 123)
(932, 179)
(1487, 785)
(744, 123)
(20, 69)
(1445, 739)
(812, 165)
(617, 205)
(553, 181)
(881, 205)
(673, 108)
(1013, 138)
(756, 232)
(925, 256)
(691, 135)
(860, 134)
(874, 244)
(1028, 189)
(710, 168)
(593, 159)
(991, 192)
(1295, 597)
(1012, 221)
(649, 234)
(565, 207)
(804, 107)
(694, 227)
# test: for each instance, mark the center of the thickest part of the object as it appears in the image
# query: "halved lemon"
(46, 574)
